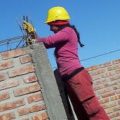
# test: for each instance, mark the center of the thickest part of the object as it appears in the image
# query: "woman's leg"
(81, 93)
(77, 105)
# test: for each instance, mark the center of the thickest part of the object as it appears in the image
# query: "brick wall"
(106, 79)
(20, 93)
(28, 89)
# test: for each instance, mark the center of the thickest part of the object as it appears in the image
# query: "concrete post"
(53, 101)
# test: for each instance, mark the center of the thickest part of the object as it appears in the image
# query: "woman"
(75, 76)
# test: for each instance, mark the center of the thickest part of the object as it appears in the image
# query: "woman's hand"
(28, 27)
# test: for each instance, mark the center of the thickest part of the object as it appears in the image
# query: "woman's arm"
(53, 40)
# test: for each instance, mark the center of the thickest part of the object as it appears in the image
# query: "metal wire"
(11, 39)
(12, 43)
(20, 41)
(106, 53)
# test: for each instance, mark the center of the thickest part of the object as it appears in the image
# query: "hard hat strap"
(59, 22)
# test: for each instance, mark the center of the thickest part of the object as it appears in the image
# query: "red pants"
(82, 96)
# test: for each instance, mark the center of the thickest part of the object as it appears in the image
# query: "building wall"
(28, 90)
(106, 83)
(20, 93)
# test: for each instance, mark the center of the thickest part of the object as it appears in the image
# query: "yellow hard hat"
(57, 13)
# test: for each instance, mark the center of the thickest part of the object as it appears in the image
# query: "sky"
(98, 22)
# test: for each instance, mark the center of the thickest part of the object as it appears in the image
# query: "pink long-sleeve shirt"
(66, 49)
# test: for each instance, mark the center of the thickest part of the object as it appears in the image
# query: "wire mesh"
(20, 41)
(12, 43)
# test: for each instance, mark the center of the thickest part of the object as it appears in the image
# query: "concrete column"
(51, 94)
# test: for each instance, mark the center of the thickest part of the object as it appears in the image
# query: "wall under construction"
(106, 82)
(29, 91)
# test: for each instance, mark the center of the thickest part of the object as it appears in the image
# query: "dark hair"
(78, 35)
(76, 31)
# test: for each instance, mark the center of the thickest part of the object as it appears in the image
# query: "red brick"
(109, 105)
(40, 116)
(116, 77)
(30, 78)
(22, 70)
(116, 61)
(13, 53)
(8, 84)
(4, 96)
(7, 116)
(109, 84)
(97, 72)
(36, 108)
(105, 100)
(25, 59)
(92, 68)
(3, 76)
(112, 68)
(118, 95)
(115, 97)
(116, 108)
(117, 118)
(35, 98)
(107, 74)
(25, 119)
(117, 71)
(108, 94)
(117, 91)
(26, 90)
(23, 111)
(11, 105)
(98, 82)
(6, 64)
(105, 90)
(119, 102)
(116, 87)
(115, 114)
(106, 64)
(98, 87)
(109, 110)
